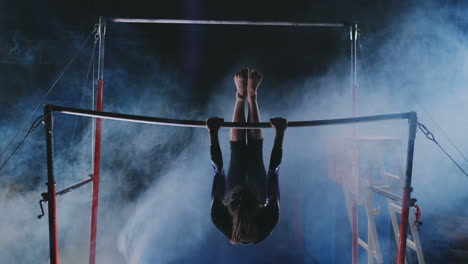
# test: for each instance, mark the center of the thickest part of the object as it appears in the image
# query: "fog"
(156, 181)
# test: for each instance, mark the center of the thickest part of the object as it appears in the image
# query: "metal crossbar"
(226, 22)
(51, 193)
(202, 124)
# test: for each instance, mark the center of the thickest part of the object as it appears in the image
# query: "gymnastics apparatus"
(100, 31)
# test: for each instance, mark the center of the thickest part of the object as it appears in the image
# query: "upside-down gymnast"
(245, 204)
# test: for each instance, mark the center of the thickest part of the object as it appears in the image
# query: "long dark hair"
(242, 203)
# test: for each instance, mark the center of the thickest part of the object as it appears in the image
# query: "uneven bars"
(202, 124)
(224, 22)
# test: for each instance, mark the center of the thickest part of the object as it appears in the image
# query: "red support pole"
(404, 226)
(53, 223)
(405, 204)
(354, 205)
(354, 196)
(97, 165)
(354, 229)
(354, 98)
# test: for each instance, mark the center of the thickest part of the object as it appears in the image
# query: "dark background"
(201, 53)
(37, 39)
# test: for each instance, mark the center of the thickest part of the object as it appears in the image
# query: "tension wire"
(23, 126)
(34, 125)
(431, 137)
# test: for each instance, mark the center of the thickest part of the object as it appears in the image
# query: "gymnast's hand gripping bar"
(224, 22)
(202, 124)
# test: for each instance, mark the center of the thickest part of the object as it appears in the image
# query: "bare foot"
(255, 78)
(240, 79)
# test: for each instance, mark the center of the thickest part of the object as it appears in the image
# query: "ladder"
(357, 175)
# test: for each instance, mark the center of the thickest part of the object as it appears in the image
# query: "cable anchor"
(426, 132)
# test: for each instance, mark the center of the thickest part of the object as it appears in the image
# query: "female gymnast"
(245, 205)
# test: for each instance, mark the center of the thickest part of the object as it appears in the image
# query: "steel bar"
(413, 120)
(202, 124)
(74, 186)
(226, 22)
(51, 188)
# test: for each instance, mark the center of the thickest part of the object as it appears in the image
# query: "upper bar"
(194, 123)
(224, 22)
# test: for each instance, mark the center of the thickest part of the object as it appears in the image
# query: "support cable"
(431, 137)
(34, 125)
(23, 126)
(445, 134)
(82, 97)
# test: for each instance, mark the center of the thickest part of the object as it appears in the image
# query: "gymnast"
(245, 205)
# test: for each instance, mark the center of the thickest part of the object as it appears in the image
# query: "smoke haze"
(156, 181)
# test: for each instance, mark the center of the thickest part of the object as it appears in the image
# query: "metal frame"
(49, 114)
(49, 109)
(202, 124)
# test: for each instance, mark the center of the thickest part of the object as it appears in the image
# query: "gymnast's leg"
(240, 79)
(256, 176)
(255, 78)
(237, 165)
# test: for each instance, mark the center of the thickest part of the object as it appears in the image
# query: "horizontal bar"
(386, 194)
(363, 244)
(395, 207)
(224, 22)
(411, 244)
(74, 186)
(202, 124)
(395, 177)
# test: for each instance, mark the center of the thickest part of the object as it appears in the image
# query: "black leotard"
(246, 167)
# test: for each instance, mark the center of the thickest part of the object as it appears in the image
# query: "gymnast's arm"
(270, 214)
(280, 125)
(219, 181)
(214, 124)
(219, 213)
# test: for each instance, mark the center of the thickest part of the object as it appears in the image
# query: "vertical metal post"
(51, 190)
(354, 196)
(354, 229)
(413, 120)
(353, 38)
(97, 146)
